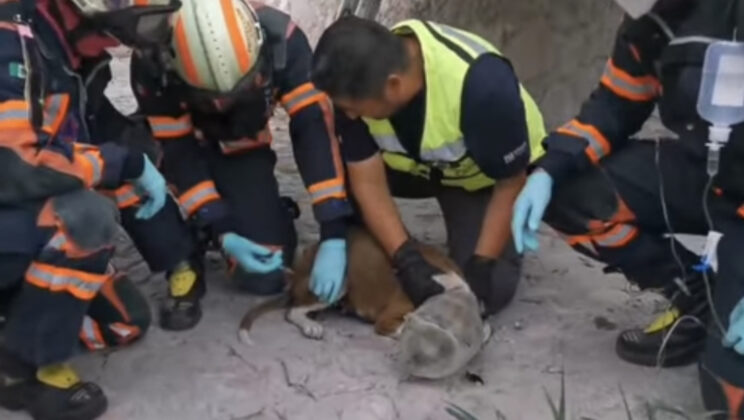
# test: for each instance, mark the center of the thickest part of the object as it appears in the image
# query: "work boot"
(186, 287)
(644, 346)
(49, 393)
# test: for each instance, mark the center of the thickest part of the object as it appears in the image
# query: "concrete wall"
(557, 47)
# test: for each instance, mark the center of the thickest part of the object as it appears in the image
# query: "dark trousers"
(163, 241)
(246, 181)
(53, 294)
(463, 218)
(614, 213)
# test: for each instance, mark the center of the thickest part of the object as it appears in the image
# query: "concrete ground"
(564, 319)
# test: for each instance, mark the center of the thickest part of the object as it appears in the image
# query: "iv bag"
(721, 99)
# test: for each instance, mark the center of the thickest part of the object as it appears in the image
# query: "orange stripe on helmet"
(141, 2)
(183, 50)
(238, 43)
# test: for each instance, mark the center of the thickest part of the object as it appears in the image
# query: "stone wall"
(557, 47)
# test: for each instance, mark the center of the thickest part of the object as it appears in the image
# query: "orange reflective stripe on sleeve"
(55, 111)
(598, 148)
(639, 89)
(192, 200)
(91, 335)
(326, 190)
(89, 159)
(617, 237)
(170, 128)
(80, 284)
(15, 115)
(740, 212)
(126, 197)
(302, 97)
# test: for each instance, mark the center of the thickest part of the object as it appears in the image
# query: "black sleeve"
(493, 120)
(357, 144)
(314, 141)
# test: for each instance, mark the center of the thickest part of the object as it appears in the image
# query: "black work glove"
(478, 271)
(415, 273)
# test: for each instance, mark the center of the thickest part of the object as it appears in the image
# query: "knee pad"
(591, 197)
(90, 219)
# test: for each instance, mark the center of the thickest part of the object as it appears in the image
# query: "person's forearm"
(370, 189)
(496, 230)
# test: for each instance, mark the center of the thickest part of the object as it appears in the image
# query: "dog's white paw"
(313, 331)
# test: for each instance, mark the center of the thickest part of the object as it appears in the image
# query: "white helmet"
(133, 22)
(217, 44)
(636, 8)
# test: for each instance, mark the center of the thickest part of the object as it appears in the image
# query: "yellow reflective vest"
(448, 54)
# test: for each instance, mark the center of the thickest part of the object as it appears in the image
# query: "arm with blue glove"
(529, 210)
(329, 270)
(734, 338)
(250, 256)
(151, 186)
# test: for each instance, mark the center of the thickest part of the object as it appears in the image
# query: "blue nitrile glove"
(529, 210)
(250, 256)
(735, 337)
(329, 270)
(151, 186)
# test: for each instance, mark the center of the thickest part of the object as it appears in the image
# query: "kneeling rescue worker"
(428, 110)
(615, 198)
(56, 233)
(235, 61)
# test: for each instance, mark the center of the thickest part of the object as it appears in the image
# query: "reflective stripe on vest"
(448, 53)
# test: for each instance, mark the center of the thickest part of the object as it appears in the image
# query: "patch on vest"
(514, 154)
(17, 70)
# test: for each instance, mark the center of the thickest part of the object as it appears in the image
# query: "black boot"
(20, 389)
(684, 345)
(186, 287)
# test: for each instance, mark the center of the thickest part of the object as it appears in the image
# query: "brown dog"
(372, 290)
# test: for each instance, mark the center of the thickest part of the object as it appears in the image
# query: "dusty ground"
(565, 316)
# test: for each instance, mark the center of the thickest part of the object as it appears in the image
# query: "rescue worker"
(55, 232)
(234, 62)
(428, 110)
(616, 198)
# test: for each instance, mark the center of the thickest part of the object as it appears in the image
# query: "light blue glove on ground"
(329, 270)
(735, 337)
(529, 210)
(250, 256)
(151, 186)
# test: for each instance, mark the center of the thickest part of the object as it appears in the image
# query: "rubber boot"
(186, 287)
(50, 393)
(687, 340)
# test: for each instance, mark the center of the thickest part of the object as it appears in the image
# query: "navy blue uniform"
(611, 190)
(48, 169)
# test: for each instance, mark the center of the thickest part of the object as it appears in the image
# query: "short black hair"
(354, 58)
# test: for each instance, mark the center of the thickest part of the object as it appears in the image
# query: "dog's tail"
(275, 304)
